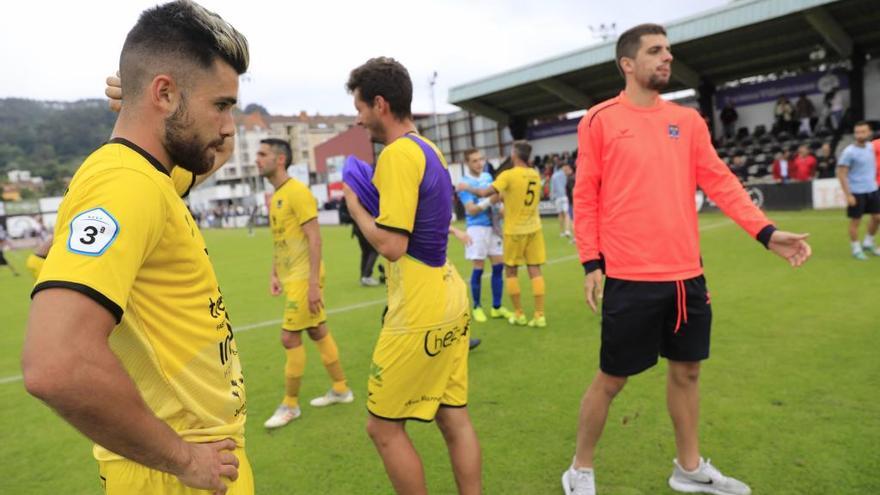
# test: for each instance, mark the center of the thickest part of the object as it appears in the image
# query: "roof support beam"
(831, 30)
(565, 92)
(486, 111)
(684, 74)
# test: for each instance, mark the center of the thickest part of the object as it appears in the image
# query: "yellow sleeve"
(106, 228)
(303, 203)
(502, 181)
(398, 175)
(183, 180)
(34, 264)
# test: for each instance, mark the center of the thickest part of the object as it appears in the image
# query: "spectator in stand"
(728, 120)
(834, 100)
(804, 111)
(781, 167)
(803, 166)
(784, 114)
(827, 161)
(739, 168)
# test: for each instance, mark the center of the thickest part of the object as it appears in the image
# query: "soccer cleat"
(705, 479)
(332, 397)
(579, 481)
(282, 416)
(538, 321)
(479, 315)
(473, 343)
(870, 249)
(860, 255)
(518, 319)
(500, 312)
(369, 282)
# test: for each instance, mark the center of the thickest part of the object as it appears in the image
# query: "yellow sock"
(538, 289)
(514, 291)
(293, 372)
(330, 358)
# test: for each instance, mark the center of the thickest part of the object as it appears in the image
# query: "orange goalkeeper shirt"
(638, 169)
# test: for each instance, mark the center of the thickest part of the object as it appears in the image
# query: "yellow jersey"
(520, 188)
(125, 238)
(415, 198)
(292, 206)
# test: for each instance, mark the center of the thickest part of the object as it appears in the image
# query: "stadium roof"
(741, 39)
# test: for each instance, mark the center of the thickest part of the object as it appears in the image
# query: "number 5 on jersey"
(530, 193)
(92, 232)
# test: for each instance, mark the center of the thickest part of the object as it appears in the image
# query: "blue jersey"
(862, 166)
(483, 218)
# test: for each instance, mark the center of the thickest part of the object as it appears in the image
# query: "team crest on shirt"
(92, 232)
(673, 131)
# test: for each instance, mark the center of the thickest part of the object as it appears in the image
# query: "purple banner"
(551, 129)
(811, 83)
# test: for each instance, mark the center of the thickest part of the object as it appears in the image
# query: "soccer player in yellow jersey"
(419, 368)
(520, 189)
(298, 272)
(128, 337)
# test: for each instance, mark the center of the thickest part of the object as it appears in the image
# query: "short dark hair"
(175, 36)
(280, 147)
(861, 123)
(385, 77)
(468, 152)
(522, 150)
(630, 41)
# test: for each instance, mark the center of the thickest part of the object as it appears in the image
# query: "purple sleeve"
(358, 175)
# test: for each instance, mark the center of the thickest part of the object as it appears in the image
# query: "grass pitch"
(789, 396)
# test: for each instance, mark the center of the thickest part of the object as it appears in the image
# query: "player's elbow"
(41, 377)
(392, 252)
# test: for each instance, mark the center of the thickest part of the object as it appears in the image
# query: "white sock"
(856, 247)
(868, 241)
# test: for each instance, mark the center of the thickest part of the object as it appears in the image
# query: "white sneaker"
(871, 249)
(369, 282)
(578, 481)
(332, 397)
(706, 479)
(282, 416)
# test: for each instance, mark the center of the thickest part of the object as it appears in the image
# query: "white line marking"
(367, 304)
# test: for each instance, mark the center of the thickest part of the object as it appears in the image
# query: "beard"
(656, 83)
(184, 147)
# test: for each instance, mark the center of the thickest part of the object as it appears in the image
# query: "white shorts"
(561, 204)
(485, 243)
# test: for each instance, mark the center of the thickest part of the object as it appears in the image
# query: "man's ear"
(164, 93)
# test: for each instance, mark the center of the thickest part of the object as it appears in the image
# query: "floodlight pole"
(433, 81)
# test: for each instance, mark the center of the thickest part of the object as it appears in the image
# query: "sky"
(303, 51)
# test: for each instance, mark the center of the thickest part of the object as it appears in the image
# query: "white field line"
(367, 304)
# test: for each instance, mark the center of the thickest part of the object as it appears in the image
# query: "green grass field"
(790, 396)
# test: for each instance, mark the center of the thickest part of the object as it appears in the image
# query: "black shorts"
(2, 258)
(865, 203)
(641, 320)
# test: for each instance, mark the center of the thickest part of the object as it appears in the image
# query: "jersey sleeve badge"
(92, 232)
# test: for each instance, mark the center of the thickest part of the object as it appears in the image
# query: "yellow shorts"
(296, 309)
(524, 249)
(124, 477)
(414, 372)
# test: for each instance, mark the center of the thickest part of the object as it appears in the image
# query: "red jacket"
(803, 168)
(637, 173)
